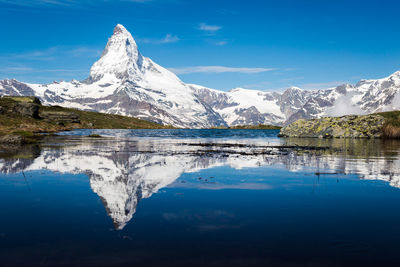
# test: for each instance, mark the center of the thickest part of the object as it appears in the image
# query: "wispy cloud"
(84, 51)
(217, 69)
(169, 38)
(52, 53)
(15, 69)
(211, 29)
(23, 69)
(324, 85)
(221, 43)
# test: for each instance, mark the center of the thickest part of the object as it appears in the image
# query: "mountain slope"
(241, 106)
(124, 82)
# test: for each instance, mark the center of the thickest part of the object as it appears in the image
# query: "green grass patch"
(392, 117)
(28, 127)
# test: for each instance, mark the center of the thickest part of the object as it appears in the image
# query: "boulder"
(26, 109)
(352, 126)
(20, 105)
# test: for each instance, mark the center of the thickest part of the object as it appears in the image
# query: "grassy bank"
(391, 129)
(49, 119)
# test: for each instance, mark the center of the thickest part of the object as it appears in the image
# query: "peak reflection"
(122, 172)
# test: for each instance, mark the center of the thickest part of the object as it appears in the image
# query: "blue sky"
(265, 45)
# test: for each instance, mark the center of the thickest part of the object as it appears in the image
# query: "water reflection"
(123, 171)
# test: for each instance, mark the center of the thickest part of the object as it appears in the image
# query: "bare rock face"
(25, 106)
(27, 109)
(367, 126)
(60, 116)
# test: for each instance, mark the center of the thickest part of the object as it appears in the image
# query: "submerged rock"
(352, 126)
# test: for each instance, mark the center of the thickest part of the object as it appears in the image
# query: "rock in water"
(367, 126)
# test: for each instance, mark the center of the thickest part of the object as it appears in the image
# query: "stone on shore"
(351, 126)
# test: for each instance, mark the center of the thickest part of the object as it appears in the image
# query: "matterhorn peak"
(120, 29)
(120, 59)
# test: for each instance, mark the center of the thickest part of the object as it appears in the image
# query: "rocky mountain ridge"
(125, 82)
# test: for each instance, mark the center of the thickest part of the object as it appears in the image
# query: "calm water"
(199, 198)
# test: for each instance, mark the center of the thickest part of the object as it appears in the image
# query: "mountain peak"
(397, 73)
(119, 28)
(294, 88)
(120, 59)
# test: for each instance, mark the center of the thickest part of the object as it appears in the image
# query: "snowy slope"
(241, 106)
(124, 82)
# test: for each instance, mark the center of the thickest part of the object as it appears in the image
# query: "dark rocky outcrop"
(60, 116)
(23, 105)
(26, 109)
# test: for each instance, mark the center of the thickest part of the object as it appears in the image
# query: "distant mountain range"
(124, 82)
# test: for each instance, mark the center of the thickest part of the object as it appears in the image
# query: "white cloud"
(169, 38)
(209, 28)
(395, 105)
(344, 106)
(84, 51)
(26, 69)
(217, 69)
(15, 69)
(221, 43)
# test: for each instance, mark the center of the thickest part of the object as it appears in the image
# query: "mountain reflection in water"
(124, 171)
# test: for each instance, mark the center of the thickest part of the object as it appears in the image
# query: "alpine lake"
(199, 198)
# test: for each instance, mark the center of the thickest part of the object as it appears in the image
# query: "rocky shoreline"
(351, 126)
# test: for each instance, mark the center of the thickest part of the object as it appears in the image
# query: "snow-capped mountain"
(124, 82)
(241, 106)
